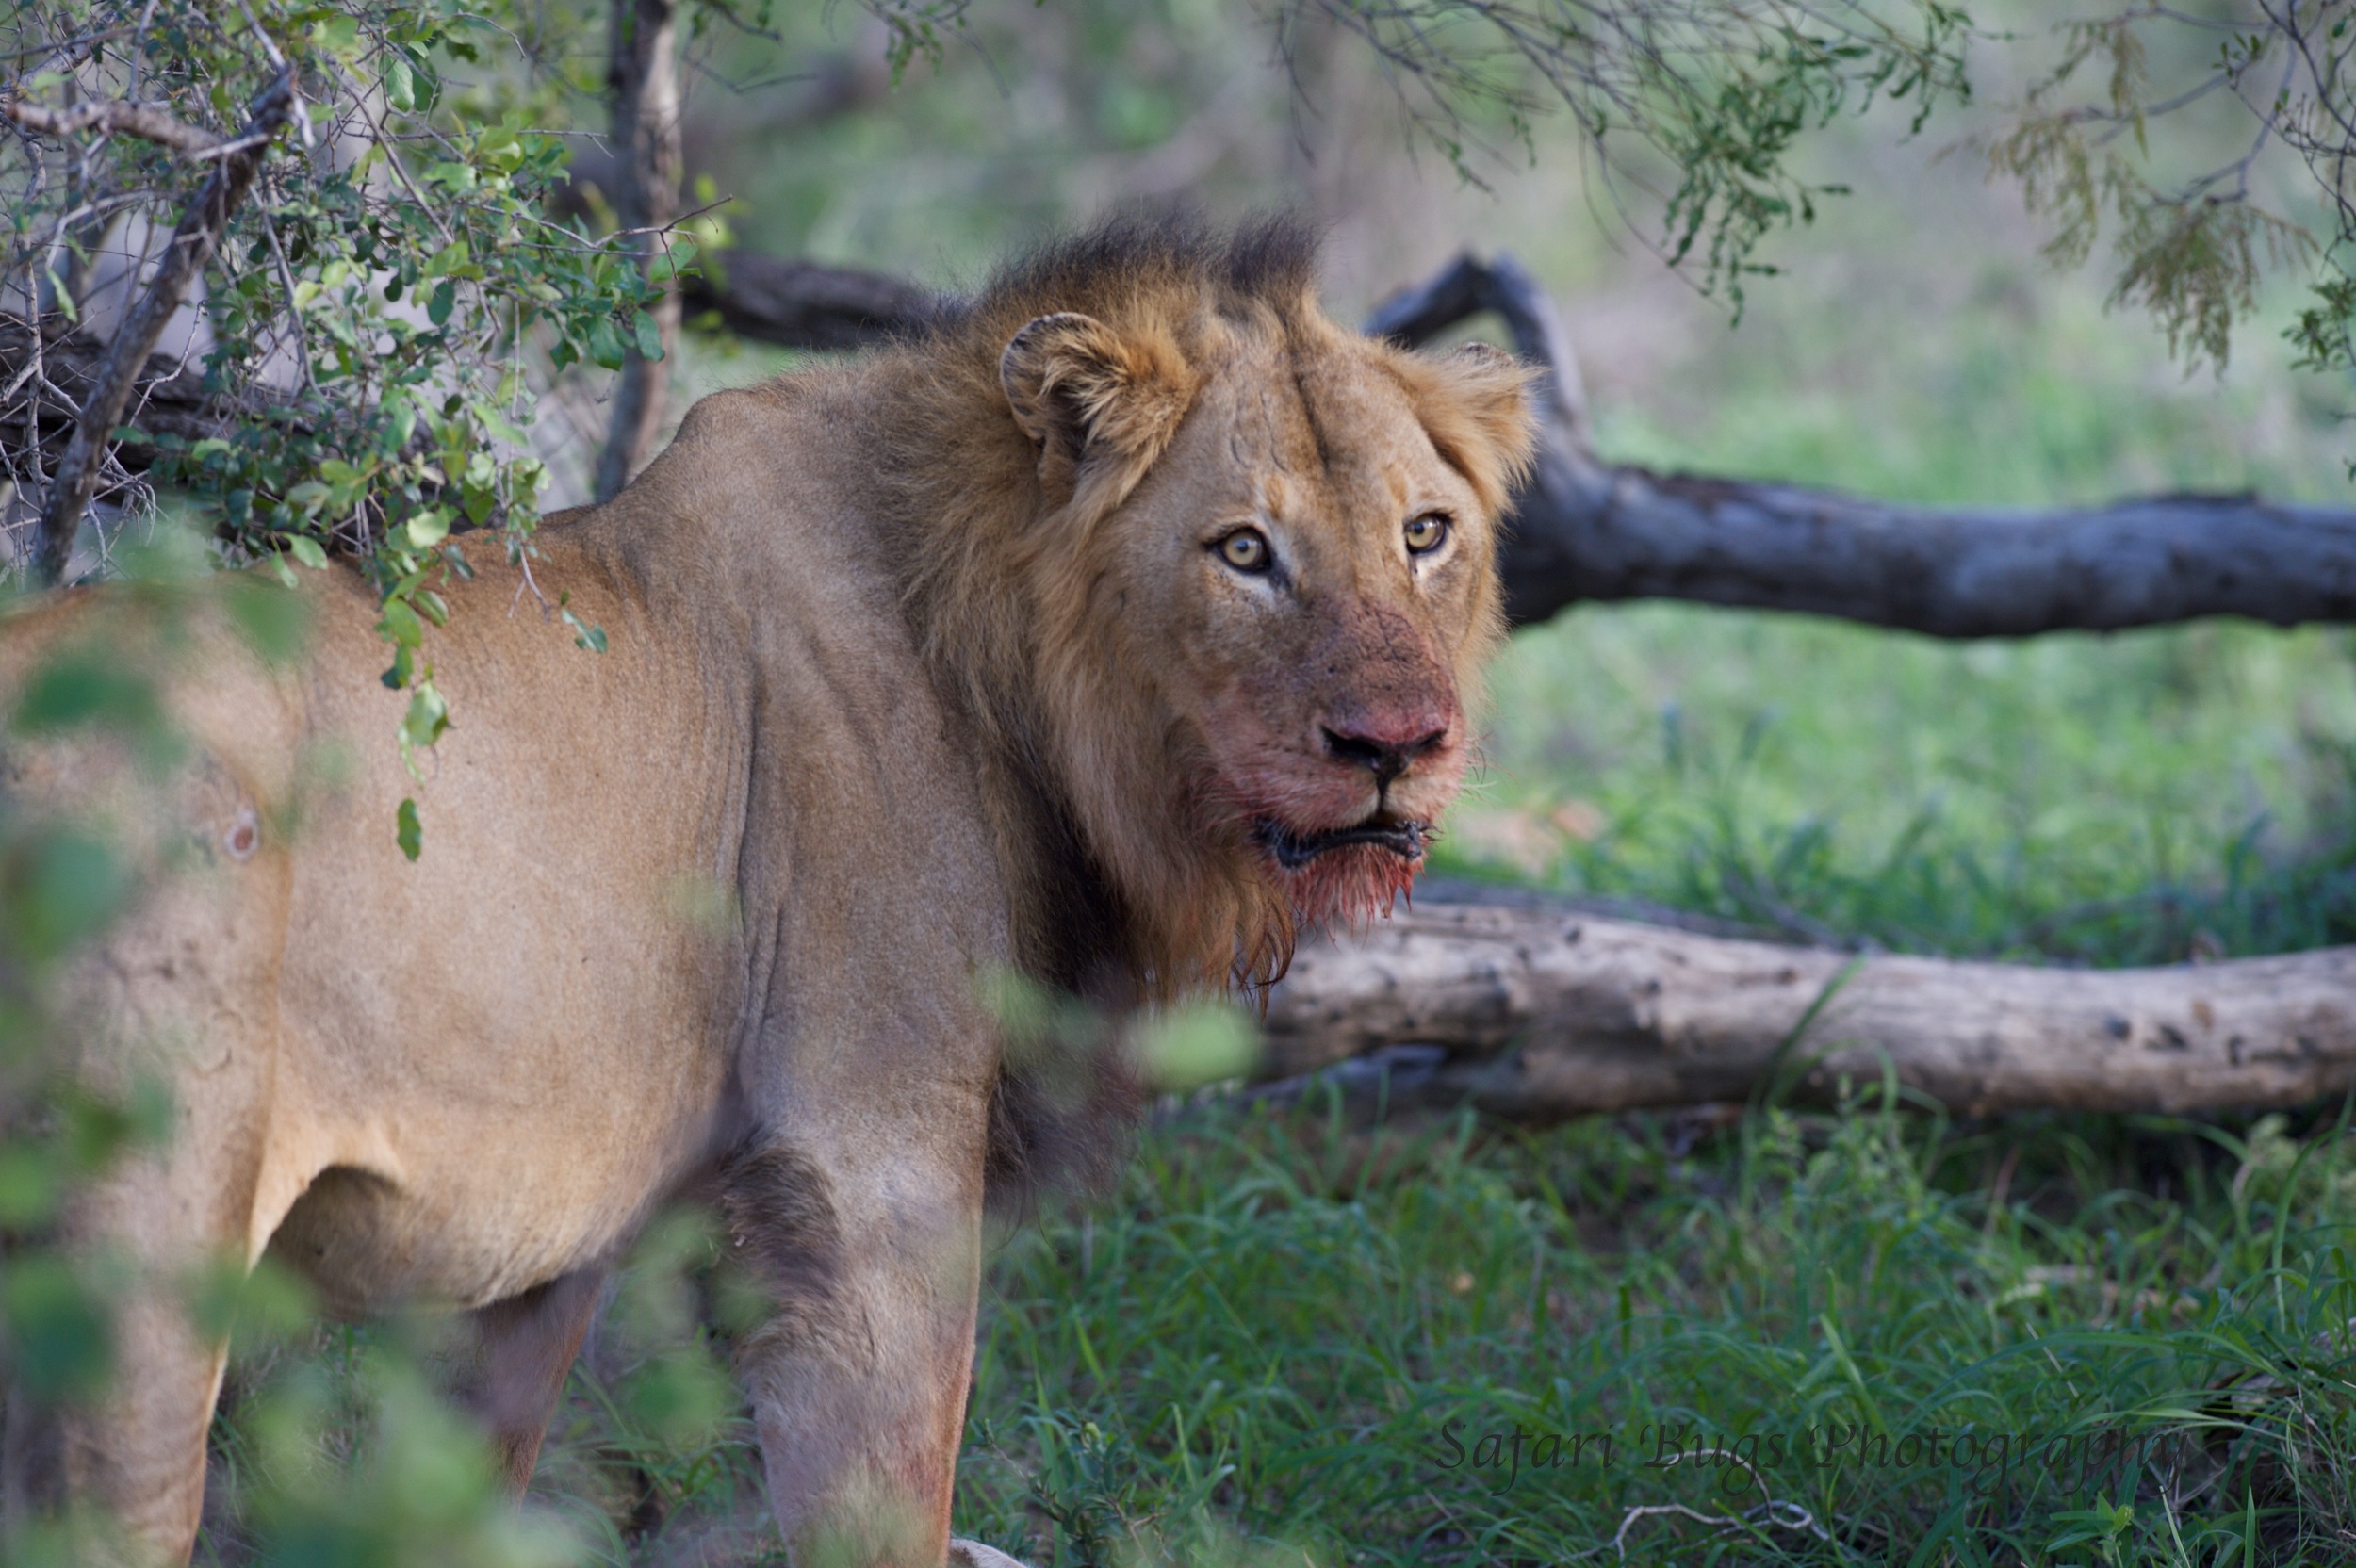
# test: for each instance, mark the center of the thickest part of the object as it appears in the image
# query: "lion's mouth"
(1294, 850)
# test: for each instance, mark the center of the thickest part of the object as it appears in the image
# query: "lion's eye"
(1426, 534)
(1246, 549)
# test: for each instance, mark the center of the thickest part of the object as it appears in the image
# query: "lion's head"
(1225, 572)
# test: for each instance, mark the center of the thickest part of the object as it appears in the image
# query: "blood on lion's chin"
(1349, 887)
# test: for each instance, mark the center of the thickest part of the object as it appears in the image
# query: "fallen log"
(1538, 1011)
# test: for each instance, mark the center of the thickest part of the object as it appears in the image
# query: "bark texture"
(805, 305)
(1539, 1012)
(643, 77)
(1586, 530)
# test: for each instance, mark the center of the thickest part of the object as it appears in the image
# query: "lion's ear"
(1475, 403)
(1077, 386)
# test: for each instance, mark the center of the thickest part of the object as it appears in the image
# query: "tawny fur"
(922, 668)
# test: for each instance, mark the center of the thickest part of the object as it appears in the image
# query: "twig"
(114, 115)
(294, 307)
(191, 246)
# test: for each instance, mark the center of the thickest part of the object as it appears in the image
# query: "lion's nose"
(1386, 756)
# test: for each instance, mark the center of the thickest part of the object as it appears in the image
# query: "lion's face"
(1303, 578)
(1319, 582)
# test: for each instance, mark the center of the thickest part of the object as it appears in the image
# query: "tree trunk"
(1538, 1011)
(643, 78)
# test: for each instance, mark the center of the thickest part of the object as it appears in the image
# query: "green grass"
(1287, 1341)
(1270, 1338)
(2119, 799)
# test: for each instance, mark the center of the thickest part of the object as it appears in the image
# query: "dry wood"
(1543, 1011)
(113, 115)
(805, 305)
(184, 257)
(172, 397)
(1586, 530)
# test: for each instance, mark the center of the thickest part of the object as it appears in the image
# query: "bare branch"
(1587, 530)
(113, 115)
(805, 305)
(191, 246)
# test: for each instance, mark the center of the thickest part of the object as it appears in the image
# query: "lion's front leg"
(867, 1234)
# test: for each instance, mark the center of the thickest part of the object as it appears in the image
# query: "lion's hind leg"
(523, 1348)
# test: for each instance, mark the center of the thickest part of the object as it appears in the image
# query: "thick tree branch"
(113, 115)
(644, 78)
(1541, 1011)
(1589, 529)
(805, 305)
(191, 246)
(1586, 530)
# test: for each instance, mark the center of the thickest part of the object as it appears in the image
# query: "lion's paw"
(972, 1554)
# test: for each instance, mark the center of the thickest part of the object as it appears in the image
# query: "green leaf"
(407, 833)
(428, 528)
(273, 622)
(428, 716)
(338, 35)
(649, 337)
(61, 296)
(61, 1341)
(439, 303)
(86, 689)
(59, 890)
(605, 344)
(401, 82)
(306, 550)
(400, 625)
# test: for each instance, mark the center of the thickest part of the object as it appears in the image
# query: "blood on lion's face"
(1254, 562)
(1306, 578)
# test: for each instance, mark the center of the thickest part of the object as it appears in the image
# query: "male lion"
(1109, 629)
